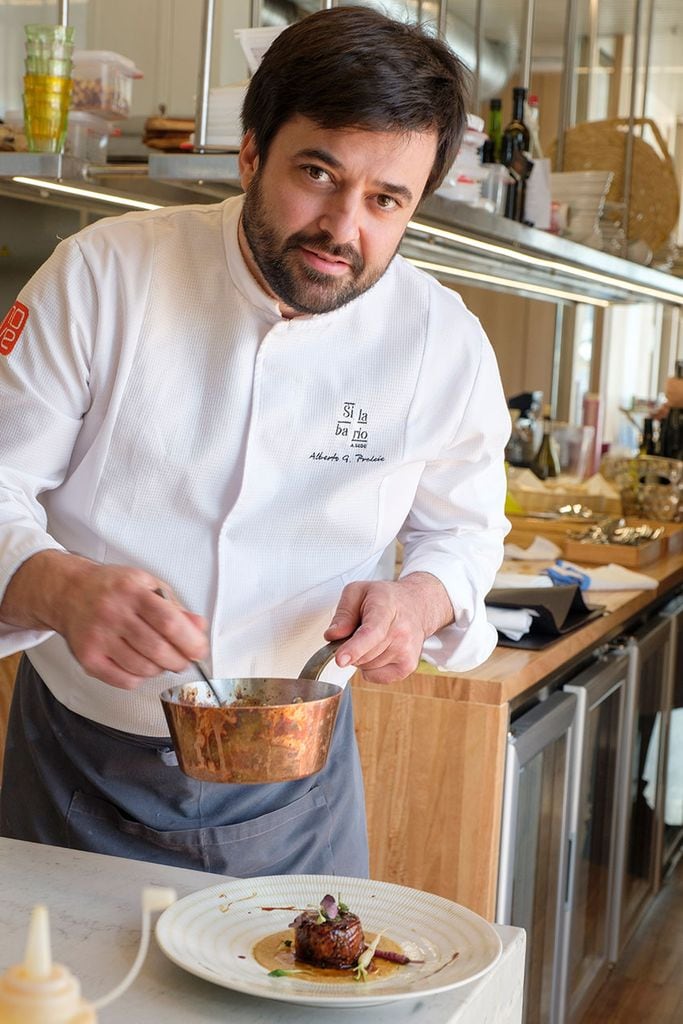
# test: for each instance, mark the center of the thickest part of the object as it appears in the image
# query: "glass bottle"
(647, 441)
(546, 461)
(671, 435)
(514, 154)
(494, 129)
(531, 119)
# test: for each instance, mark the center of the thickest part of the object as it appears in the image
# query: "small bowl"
(266, 729)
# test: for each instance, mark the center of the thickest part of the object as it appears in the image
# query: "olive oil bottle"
(546, 461)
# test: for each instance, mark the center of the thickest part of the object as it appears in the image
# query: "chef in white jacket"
(244, 404)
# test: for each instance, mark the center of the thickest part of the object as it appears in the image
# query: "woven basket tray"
(650, 486)
(601, 146)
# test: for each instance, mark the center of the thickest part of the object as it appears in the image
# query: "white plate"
(216, 944)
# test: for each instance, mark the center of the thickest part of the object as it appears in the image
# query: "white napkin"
(540, 549)
(524, 480)
(513, 623)
(615, 577)
(597, 485)
(507, 580)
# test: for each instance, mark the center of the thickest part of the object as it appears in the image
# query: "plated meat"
(327, 939)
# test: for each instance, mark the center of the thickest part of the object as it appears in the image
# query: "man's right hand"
(116, 626)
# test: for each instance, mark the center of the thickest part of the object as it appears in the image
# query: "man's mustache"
(321, 243)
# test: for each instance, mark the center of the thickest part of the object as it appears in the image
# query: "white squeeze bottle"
(39, 991)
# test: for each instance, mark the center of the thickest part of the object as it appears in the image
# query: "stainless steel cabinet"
(601, 693)
(534, 844)
(641, 790)
(672, 748)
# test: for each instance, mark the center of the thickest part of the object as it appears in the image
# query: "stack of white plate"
(584, 192)
(224, 128)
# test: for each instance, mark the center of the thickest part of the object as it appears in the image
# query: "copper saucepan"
(266, 729)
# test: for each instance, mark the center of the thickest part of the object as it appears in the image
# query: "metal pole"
(527, 43)
(593, 58)
(201, 118)
(628, 152)
(63, 13)
(568, 87)
(443, 10)
(648, 58)
(327, 5)
(255, 14)
(478, 40)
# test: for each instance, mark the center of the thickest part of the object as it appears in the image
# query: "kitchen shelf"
(453, 241)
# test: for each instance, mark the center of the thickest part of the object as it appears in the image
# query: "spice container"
(103, 83)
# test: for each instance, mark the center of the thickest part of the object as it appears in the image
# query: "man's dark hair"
(354, 67)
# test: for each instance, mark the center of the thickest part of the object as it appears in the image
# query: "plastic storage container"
(87, 136)
(103, 83)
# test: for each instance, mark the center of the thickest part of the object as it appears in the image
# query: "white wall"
(163, 37)
(630, 365)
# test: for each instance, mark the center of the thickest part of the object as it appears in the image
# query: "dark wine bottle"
(647, 441)
(546, 461)
(514, 154)
(671, 443)
(490, 153)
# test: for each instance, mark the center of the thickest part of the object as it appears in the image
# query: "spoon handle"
(205, 676)
(197, 664)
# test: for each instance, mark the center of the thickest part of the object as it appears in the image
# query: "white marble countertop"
(94, 905)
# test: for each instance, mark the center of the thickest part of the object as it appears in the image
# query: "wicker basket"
(601, 146)
(650, 486)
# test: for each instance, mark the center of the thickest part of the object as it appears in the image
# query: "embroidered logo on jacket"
(352, 427)
(11, 327)
(354, 423)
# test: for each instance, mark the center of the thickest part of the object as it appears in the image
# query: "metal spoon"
(197, 664)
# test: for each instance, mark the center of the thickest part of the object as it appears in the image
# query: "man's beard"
(298, 285)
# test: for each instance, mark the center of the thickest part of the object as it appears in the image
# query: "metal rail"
(201, 117)
(628, 151)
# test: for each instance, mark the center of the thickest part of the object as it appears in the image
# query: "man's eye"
(386, 202)
(316, 173)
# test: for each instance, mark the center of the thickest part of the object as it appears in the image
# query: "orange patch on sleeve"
(11, 327)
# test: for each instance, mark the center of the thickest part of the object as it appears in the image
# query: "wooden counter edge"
(509, 672)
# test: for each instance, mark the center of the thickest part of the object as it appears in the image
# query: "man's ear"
(248, 159)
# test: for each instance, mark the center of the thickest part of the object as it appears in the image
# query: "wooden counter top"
(509, 673)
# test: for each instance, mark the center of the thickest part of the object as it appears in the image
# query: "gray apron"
(71, 782)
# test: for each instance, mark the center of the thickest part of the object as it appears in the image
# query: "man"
(244, 404)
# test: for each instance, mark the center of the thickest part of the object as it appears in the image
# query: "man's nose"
(341, 219)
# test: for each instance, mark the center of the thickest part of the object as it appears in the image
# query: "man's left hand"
(387, 624)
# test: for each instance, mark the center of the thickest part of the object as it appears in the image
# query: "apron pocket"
(293, 839)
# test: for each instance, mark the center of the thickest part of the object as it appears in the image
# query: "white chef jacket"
(158, 411)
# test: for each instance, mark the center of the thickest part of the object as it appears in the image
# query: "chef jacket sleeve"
(44, 394)
(456, 525)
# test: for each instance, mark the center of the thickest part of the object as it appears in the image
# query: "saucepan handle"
(316, 663)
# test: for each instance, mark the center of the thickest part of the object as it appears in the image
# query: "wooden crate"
(633, 556)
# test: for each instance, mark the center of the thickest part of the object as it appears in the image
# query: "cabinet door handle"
(568, 871)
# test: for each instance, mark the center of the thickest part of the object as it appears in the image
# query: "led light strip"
(543, 264)
(426, 229)
(506, 282)
(53, 186)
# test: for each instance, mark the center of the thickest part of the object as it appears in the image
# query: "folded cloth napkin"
(514, 623)
(540, 549)
(506, 580)
(603, 577)
(596, 485)
(524, 480)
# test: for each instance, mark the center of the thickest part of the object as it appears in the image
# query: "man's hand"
(116, 626)
(389, 622)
